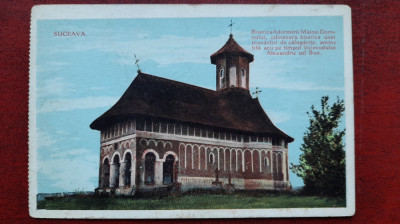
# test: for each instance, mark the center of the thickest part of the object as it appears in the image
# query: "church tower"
(232, 65)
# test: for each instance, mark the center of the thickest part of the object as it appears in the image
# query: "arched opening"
(256, 161)
(189, 157)
(233, 161)
(168, 169)
(279, 165)
(221, 78)
(203, 159)
(243, 78)
(106, 173)
(149, 166)
(232, 76)
(247, 161)
(221, 159)
(195, 161)
(115, 175)
(239, 161)
(127, 169)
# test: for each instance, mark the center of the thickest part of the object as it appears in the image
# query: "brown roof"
(233, 48)
(231, 108)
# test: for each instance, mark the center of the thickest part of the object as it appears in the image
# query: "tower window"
(232, 76)
(243, 78)
(221, 73)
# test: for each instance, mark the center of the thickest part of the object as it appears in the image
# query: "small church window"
(246, 138)
(221, 73)
(277, 141)
(170, 128)
(203, 133)
(184, 130)
(266, 162)
(156, 126)
(197, 131)
(140, 125)
(191, 131)
(147, 125)
(242, 72)
(216, 135)
(177, 129)
(211, 158)
(163, 127)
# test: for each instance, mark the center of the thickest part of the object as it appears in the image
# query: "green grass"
(195, 201)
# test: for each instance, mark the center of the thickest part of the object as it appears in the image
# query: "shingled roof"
(233, 48)
(157, 97)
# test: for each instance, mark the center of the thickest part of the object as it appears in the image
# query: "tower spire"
(231, 25)
(232, 65)
(137, 63)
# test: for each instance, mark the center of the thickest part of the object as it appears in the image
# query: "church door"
(149, 163)
(168, 168)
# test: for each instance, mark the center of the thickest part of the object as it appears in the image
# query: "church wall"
(202, 156)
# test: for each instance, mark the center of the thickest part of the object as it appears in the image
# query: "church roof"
(153, 96)
(231, 47)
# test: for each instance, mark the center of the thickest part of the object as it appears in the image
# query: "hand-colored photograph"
(209, 111)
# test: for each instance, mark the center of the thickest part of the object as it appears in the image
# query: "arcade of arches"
(149, 163)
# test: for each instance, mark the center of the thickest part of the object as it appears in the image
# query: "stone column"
(284, 166)
(158, 173)
(142, 172)
(272, 162)
(133, 171)
(113, 173)
(122, 174)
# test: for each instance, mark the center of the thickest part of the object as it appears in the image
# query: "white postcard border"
(47, 12)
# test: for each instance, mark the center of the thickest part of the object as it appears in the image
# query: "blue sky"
(79, 78)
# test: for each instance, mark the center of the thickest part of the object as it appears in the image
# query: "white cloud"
(64, 171)
(44, 139)
(167, 49)
(73, 152)
(53, 105)
(279, 117)
(277, 77)
(53, 87)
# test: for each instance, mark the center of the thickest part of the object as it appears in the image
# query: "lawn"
(193, 201)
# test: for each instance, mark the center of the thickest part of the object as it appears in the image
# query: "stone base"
(230, 188)
(217, 184)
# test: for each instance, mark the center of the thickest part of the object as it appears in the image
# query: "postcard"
(191, 111)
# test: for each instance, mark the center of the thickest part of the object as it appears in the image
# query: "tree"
(322, 163)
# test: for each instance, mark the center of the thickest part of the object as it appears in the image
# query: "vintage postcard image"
(191, 111)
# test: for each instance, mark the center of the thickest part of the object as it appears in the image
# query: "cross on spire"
(137, 63)
(257, 92)
(231, 25)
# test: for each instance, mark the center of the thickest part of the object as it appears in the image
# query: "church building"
(169, 135)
